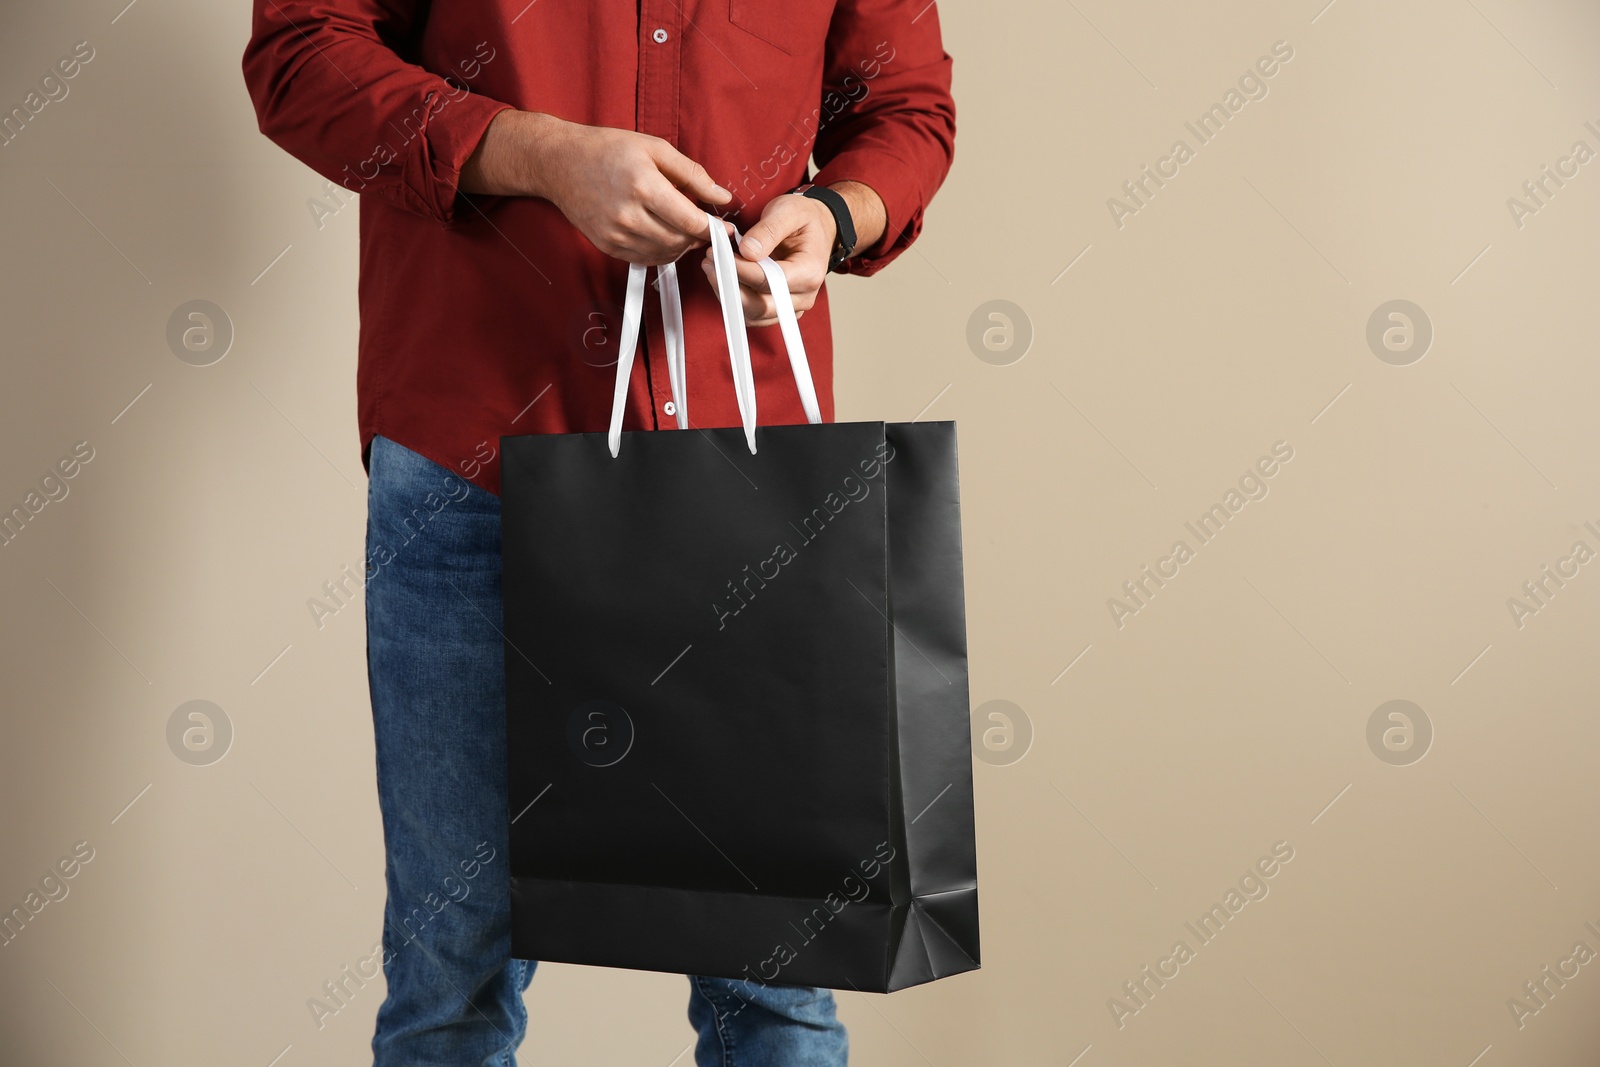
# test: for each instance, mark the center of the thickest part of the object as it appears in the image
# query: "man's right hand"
(628, 193)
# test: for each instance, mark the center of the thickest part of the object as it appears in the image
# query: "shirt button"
(670, 408)
(660, 37)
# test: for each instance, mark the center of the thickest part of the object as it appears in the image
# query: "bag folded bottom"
(838, 943)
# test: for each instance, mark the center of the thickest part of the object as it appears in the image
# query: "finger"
(687, 175)
(803, 300)
(667, 234)
(646, 226)
(671, 208)
(785, 216)
(804, 270)
(758, 307)
(751, 276)
(644, 234)
(801, 297)
(649, 249)
(710, 270)
(800, 301)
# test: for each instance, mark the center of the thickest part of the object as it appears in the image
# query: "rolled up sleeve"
(893, 120)
(331, 87)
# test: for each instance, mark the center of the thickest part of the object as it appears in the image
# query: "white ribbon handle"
(723, 262)
(672, 321)
(744, 386)
(632, 312)
(789, 323)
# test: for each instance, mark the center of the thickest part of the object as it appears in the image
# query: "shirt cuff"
(432, 172)
(902, 198)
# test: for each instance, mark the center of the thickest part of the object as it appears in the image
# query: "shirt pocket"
(795, 27)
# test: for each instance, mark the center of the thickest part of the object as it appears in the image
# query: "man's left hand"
(798, 233)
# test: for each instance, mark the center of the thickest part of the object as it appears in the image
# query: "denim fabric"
(743, 1024)
(434, 668)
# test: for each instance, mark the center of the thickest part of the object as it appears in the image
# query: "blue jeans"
(438, 710)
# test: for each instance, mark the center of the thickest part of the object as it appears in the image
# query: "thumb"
(782, 218)
(688, 175)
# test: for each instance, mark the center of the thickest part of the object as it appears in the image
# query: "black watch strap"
(844, 245)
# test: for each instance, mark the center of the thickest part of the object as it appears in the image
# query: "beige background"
(1227, 715)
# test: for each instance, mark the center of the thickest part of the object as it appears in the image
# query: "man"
(512, 157)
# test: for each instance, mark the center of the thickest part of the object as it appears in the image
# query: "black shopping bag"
(736, 694)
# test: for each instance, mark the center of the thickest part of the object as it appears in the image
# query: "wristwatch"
(844, 242)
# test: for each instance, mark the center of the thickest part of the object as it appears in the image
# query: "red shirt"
(483, 316)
